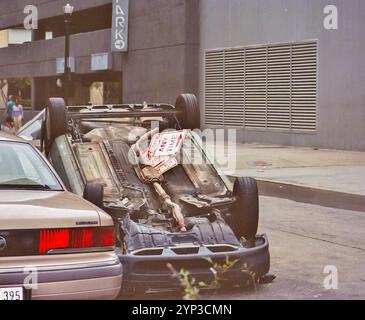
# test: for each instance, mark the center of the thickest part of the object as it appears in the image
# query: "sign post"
(120, 25)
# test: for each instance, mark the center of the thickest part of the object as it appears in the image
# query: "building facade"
(287, 72)
(161, 62)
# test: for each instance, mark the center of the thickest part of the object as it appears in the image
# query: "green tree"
(20, 87)
(19, 84)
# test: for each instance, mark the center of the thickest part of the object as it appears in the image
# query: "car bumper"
(100, 280)
(151, 274)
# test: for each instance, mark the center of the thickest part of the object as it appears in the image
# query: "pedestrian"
(18, 114)
(8, 113)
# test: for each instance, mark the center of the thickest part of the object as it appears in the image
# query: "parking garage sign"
(120, 25)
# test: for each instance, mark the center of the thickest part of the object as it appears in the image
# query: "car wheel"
(245, 215)
(94, 193)
(188, 105)
(56, 121)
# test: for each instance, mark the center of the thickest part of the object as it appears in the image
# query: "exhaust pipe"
(176, 210)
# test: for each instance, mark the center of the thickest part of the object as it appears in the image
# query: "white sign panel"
(160, 164)
(60, 65)
(120, 25)
(100, 61)
(161, 154)
(167, 144)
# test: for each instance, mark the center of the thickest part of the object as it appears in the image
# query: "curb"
(310, 195)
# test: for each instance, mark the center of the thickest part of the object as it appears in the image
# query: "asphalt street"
(304, 239)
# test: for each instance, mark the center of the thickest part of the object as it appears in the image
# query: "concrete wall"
(38, 58)
(163, 56)
(341, 97)
(11, 11)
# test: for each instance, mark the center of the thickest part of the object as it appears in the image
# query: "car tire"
(56, 121)
(94, 193)
(188, 105)
(245, 216)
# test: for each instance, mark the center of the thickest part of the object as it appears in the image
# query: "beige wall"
(4, 36)
(96, 94)
(14, 36)
(2, 102)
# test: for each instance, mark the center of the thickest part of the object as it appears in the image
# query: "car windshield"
(22, 168)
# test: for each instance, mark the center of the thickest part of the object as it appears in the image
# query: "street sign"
(160, 164)
(167, 143)
(161, 154)
(120, 25)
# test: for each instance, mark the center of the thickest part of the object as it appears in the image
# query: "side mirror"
(94, 193)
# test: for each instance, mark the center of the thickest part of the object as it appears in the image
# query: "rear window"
(21, 167)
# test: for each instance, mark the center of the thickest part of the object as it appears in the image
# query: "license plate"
(11, 294)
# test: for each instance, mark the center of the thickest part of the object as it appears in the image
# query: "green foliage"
(20, 83)
(191, 288)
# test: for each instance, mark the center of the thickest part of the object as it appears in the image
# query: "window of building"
(262, 87)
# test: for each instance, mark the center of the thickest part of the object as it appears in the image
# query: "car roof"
(10, 137)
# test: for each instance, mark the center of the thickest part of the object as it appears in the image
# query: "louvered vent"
(265, 87)
(214, 88)
(304, 86)
(278, 101)
(256, 87)
(234, 88)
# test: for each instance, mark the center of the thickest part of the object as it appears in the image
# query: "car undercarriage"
(146, 167)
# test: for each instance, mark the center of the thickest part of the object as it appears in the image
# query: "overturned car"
(146, 167)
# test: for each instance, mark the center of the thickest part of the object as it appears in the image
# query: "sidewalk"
(326, 174)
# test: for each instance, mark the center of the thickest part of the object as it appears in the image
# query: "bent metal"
(120, 25)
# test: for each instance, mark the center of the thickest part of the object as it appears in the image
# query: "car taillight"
(75, 239)
(53, 239)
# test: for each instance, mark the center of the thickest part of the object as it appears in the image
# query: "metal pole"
(67, 72)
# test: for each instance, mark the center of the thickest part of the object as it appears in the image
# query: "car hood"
(23, 210)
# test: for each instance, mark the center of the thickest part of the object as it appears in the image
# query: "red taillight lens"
(53, 239)
(89, 238)
(83, 238)
(105, 237)
(75, 238)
